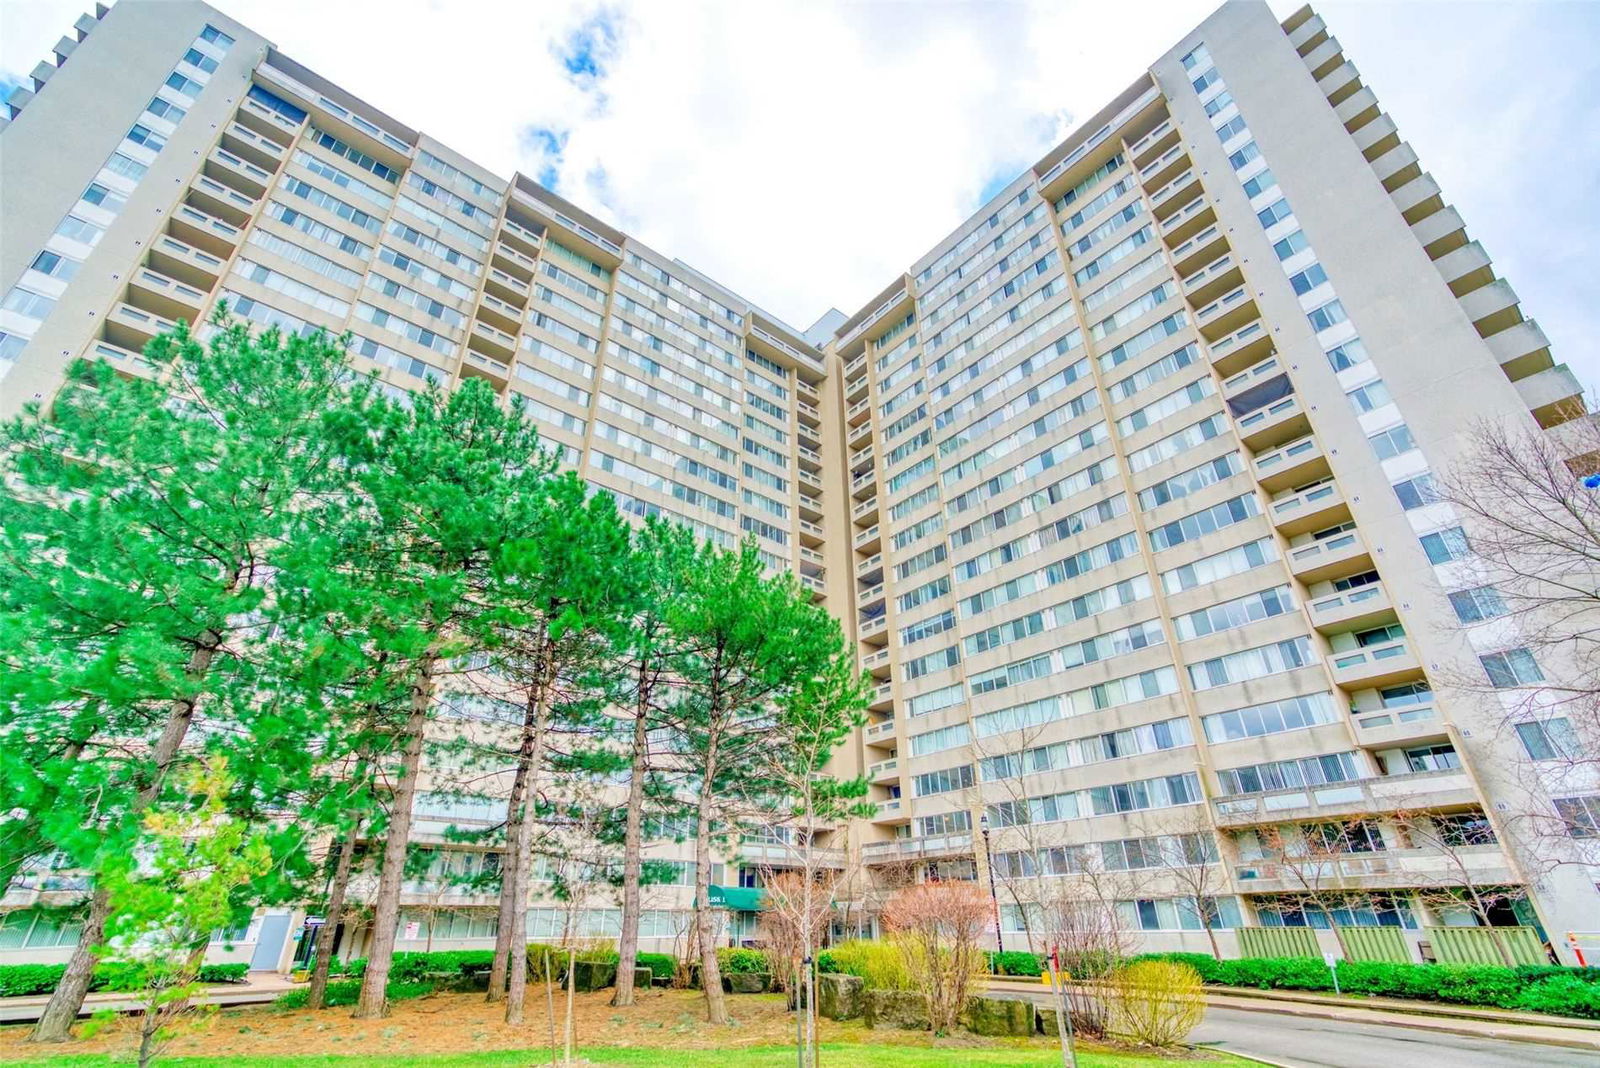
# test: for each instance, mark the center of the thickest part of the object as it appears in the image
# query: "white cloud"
(805, 153)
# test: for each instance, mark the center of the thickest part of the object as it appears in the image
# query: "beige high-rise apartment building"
(1123, 488)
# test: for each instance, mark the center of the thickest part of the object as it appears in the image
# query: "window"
(1274, 213)
(1464, 829)
(55, 265)
(1581, 815)
(1371, 396)
(1549, 739)
(187, 86)
(196, 58)
(1392, 442)
(1295, 713)
(1433, 758)
(143, 135)
(1408, 693)
(1477, 604)
(27, 303)
(1513, 667)
(216, 37)
(1232, 128)
(1415, 492)
(1295, 242)
(100, 196)
(1330, 314)
(1308, 279)
(1443, 546)
(1262, 182)
(1345, 356)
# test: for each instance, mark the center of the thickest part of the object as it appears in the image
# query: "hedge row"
(345, 992)
(661, 965)
(1016, 963)
(17, 980)
(1560, 991)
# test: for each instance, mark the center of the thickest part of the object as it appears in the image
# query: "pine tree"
(139, 538)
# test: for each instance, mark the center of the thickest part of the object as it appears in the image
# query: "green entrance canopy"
(738, 898)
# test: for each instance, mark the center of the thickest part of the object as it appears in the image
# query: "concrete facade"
(1117, 487)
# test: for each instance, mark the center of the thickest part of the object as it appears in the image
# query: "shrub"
(661, 965)
(1016, 963)
(17, 980)
(1568, 994)
(354, 968)
(1571, 991)
(413, 967)
(742, 960)
(879, 965)
(1157, 1002)
(346, 991)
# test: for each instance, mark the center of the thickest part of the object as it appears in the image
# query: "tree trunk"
(710, 974)
(1211, 934)
(508, 891)
(55, 1023)
(572, 980)
(633, 846)
(534, 726)
(373, 1003)
(316, 996)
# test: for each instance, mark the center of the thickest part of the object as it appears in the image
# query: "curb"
(1422, 1024)
(1410, 1008)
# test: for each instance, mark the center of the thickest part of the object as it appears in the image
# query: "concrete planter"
(590, 975)
(748, 982)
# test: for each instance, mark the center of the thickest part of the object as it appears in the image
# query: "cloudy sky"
(804, 153)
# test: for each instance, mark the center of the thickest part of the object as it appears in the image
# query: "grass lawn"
(665, 1029)
(856, 1056)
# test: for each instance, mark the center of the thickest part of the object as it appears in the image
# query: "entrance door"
(269, 943)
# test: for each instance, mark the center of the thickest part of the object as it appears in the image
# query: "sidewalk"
(1415, 1015)
(258, 988)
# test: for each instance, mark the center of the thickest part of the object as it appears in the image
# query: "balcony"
(1418, 198)
(258, 148)
(1240, 349)
(520, 237)
(1340, 82)
(810, 507)
(1294, 464)
(877, 663)
(214, 198)
(131, 328)
(809, 479)
(870, 567)
(868, 540)
(860, 435)
(475, 364)
(810, 533)
(873, 595)
(1175, 194)
(1522, 349)
(513, 261)
(186, 263)
(1325, 56)
(865, 512)
(492, 341)
(860, 459)
(807, 390)
(1226, 313)
(863, 485)
(1152, 144)
(1441, 233)
(1354, 609)
(882, 697)
(1273, 424)
(238, 172)
(204, 230)
(809, 457)
(858, 413)
(1310, 509)
(1187, 221)
(898, 849)
(1376, 665)
(1385, 728)
(1466, 268)
(1212, 280)
(810, 556)
(1397, 166)
(893, 810)
(505, 316)
(808, 414)
(1390, 869)
(507, 287)
(1553, 395)
(816, 584)
(155, 292)
(1331, 558)
(1199, 250)
(881, 734)
(884, 771)
(874, 631)
(1159, 171)
(126, 361)
(267, 121)
(1421, 790)
(1493, 308)
(1307, 32)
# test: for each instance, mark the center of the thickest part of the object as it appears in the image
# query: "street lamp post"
(988, 862)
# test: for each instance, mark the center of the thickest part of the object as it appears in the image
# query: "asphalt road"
(1308, 1042)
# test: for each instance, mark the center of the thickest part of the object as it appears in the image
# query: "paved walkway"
(260, 987)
